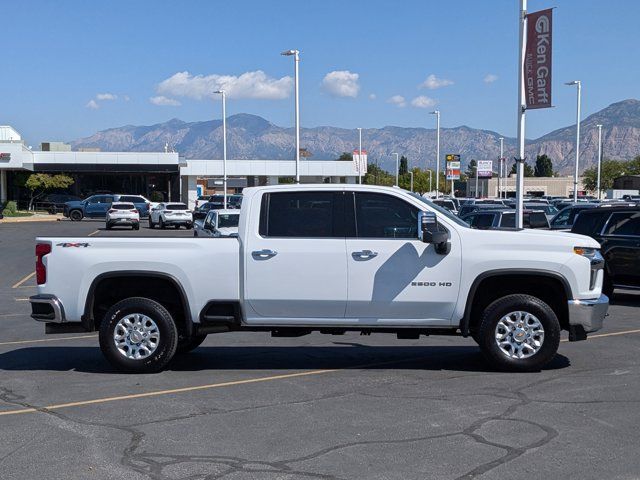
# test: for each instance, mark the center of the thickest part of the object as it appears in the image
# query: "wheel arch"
(89, 315)
(487, 280)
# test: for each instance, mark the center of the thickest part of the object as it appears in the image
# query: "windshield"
(441, 210)
(177, 206)
(227, 220)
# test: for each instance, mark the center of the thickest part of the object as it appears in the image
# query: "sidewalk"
(38, 217)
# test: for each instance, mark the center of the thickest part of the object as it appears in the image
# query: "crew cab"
(327, 258)
(97, 206)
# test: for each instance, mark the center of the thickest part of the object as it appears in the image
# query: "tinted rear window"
(123, 206)
(589, 223)
(177, 206)
(132, 199)
(227, 220)
(624, 223)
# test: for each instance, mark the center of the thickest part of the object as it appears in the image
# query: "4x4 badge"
(77, 245)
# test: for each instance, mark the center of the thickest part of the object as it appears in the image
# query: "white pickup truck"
(327, 258)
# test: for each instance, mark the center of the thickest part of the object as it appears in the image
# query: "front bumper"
(588, 314)
(47, 308)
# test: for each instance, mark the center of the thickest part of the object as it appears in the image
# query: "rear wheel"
(519, 333)
(161, 223)
(136, 226)
(108, 226)
(75, 215)
(138, 335)
(187, 344)
(151, 224)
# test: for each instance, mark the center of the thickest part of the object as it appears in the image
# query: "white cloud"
(490, 78)
(372, 96)
(163, 101)
(248, 85)
(106, 96)
(341, 83)
(126, 98)
(423, 102)
(398, 101)
(92, 104)
(432, 82)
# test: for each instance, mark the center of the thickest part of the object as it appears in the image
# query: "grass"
(17, 214)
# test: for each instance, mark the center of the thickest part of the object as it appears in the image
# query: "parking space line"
(25, 299)
(16, 285)
(232, 383)
(41, 340)
(93, 233)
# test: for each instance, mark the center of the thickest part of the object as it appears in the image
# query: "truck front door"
(295, 262)
(393, 277)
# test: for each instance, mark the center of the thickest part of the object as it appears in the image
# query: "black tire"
(187, 344)
(167, 344)
(526, 303)
(108, 226)
(161, 224)
(75, 215)
(189, 226)
(136, 226)
(151, 224)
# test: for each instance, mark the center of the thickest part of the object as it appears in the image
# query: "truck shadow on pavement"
(358, 356)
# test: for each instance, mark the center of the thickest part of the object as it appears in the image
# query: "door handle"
(364, 255)
(263, 254)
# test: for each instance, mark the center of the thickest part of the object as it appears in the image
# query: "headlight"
(587, 252)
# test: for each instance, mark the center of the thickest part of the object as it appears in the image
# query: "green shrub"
(11, 208)
(156, 196)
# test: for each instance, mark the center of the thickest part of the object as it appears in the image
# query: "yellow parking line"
(93, 233)
(16, 285)
(22, 342)
(210, 386)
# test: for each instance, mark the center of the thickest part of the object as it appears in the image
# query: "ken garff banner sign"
(537, 60)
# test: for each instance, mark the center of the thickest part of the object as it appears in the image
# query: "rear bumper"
(47, 308)
(588, 314)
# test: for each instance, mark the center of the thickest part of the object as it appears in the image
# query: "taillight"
(134, 211)
(42, 249)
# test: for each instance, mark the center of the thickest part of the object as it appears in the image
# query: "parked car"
(218, 223)
(563, 220)
(171, 214)
(447, 203)
(491, 219)
(466, 209)
(96, 206)
(549, 210)
(123, 213)
(201, 212)
(200, 200)
(54, 202)
(327, 258)
(617, 229)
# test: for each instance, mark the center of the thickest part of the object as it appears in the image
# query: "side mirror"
(429, 233)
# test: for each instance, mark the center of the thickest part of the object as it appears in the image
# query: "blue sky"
(74, 67)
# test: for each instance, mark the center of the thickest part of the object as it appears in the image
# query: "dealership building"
(143, 173)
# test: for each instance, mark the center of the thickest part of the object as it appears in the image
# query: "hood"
(536, 236)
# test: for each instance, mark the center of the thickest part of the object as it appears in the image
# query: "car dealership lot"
(319, 406)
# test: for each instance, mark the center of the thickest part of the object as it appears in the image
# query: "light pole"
(430, 188)
(397, 167)
(359, 155)
(411, 173)
(522, 106)
(500, 178)
(224, 144)
(296, 61)
(599, 158)
(437, 114)
(575, 175)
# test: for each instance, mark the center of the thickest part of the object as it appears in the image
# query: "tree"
(377, 176)
(528, 171)
(404, 165)
(544, 167)
(346, 157)
(471, 169)
(41, 183)
(610, 170)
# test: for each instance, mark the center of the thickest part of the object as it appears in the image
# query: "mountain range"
(253, 137)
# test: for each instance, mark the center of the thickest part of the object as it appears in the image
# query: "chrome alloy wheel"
(136, 336)
(519, 335)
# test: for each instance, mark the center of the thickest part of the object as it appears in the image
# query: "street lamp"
(599, 158)
(437, 114)
(224, 143)
(397, 168)
(575, 175)
(359, 155)
(296, 60)
(500, 177)
(411, 173)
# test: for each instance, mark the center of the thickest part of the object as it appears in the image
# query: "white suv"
(174, 214)
(123, 213)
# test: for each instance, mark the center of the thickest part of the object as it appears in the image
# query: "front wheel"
(138, 335)
(151, 224)
(161, 223)
(75, 215)
(519, 333)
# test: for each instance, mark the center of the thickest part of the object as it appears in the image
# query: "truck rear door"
(295, 262)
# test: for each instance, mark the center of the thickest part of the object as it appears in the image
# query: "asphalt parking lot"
(248, 406)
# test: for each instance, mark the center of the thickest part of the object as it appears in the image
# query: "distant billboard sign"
(453, 166)
(360, 162)
(485, 168)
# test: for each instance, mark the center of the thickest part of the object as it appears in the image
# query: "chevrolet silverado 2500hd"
(328, 258)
